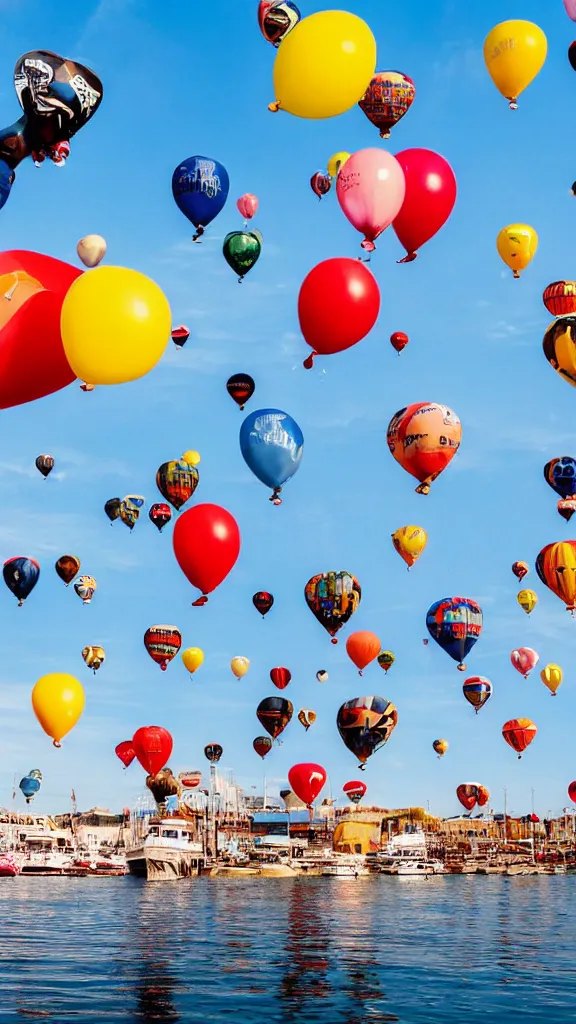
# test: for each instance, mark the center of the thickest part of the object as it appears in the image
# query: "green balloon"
(241, 250)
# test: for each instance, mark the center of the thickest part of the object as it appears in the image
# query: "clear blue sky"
(184, 78)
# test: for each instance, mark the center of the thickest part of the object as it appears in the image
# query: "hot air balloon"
(112, 508)
(239, 666)
(262, 745)
(240, 387)
(467, 794)
(200, 188)
(519, 733)
(483, 796)
(213, 752)
(527, 600)
(559, 346)
(86, 587)
(206, 543)
(162, 785)
(440, 746)
(514, 52)
(386, 659)
(153, 746)
(322, 676)
(337, 162)
(517, 245)
(551, 676)
(399, 340)
(263, 602)
(333, 597)
(524, 659)
(363, 647)
(274, 713)
(429, 199)
(572, 792)
(365, 724)
(177, 482)
(247, 205)
(94, 657)
(91, 250)
(58, 702)
(560, 298)
(424, 438)
(280, 677)
(272, 446)
(35, 774)
(190, 779)
(455, 623)
(354, 790)
(409, 542)
(477, 690)
(556, 567)
(162, 643)
(338, 305)
(306, 781)
(320, 183)
(160, 514)
(276, 19)
(130, 509)
(560, 475)
(241, 251)
(306, 717)
(387, 99)
(67, 567)
(180, 335)
(29, 787)
(125, 751)
(45, 464)
(520, 569)
(193, 658)
(21, 575)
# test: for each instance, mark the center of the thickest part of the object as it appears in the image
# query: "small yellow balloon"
(440, 746)
(324, 66)
(192, 658)
(514, 52)
(115, 325)
(239, 666)
(336, 163)
(551, 676)
(191, 457)
(410, 542)
(58, 701)
(527, 600)
(517, 244)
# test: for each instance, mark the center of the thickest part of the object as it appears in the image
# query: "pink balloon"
(247, 204)
(570, 6)
(370, 190)
(524, 660)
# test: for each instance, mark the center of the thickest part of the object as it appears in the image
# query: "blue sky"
(181, 79)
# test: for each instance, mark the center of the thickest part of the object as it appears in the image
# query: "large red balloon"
(125, 751)
(152, 745)
(206, 543)
(32, 360)
(429, 200)
(338, 305)
(306, 780)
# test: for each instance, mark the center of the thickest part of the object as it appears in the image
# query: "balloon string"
(200, 602)
(309, 362)
(409, 258)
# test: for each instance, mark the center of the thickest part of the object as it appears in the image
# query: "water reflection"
(154, 992)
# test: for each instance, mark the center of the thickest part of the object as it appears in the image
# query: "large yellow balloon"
(410, 542)
(324, 66)
(239, 666)
(192, 658)
(517, 244)
(58, 701)
(336, 163)
(514, 52)
(527, 599)
(116, 324)
(551, 676)
(191, 457)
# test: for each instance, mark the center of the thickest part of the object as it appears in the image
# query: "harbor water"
(314, 950)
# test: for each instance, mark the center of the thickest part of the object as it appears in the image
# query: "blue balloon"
(21, 576)
(200, 187)
(272, 445)
(455, 623)
(29, 787)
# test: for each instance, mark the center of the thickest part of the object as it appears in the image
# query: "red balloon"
(467, 794)
(399, 340)
(338, 305)
(306, 780)
(280, 677)
(206, 543)
(125, 751)
(32, 360)
(572, 792)
(429, 200)
(152, 745)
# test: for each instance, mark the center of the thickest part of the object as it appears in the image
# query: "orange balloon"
(519, 733)
(424, 438)
(362, 647)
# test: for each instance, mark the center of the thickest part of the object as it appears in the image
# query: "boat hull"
(163, 864)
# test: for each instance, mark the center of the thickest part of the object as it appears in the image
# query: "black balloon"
(213, 751)
(240, 387)
(274, 713)
(112, 508)
(263, 602)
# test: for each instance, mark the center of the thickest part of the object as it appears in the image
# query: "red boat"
(9, 867)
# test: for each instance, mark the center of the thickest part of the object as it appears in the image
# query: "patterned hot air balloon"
(333, 597)
(274, 713)
(556, 567)
(560, 475)
(467, 794)
(213, 752)
(366, 724)
(177, 482)
(262, 745)
(160, 514)
(306, 717)
(559, 345)
(162, 643)
(524, 659)
(94, 657)
(440, 746)
(477, 691)
(386, 659)
(520, 569)
(560, 298)
(45, 464)
(424, 438)
(387, 99)
(86, 587)
(263, 602)
(519, 733)
(354, 790)
(455, 623)
(21, 575)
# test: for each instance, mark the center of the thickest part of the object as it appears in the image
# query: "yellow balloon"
(551, 676)
(517, 244)
(410, 542)
(527, 600)
(191, 457)
(192, 658)
(336, 163)
(58, 701)
(115, 324)
(324, 66)
(440, 746)
(239, 666)
(514, 52)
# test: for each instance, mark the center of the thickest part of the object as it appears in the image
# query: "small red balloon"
(206, 543)
(572, 792)
(125, 751)
(429, 200)
(152, 745)
(399, 340)
(306, 781)
(280, 677)
(338, 305)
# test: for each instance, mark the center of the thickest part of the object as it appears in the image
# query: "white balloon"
(91, 249)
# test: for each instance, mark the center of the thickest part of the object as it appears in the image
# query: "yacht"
(416, 866)
(345, 865)
(167, 851)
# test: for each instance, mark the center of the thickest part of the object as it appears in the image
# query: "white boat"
(344, 865)
(167, 851)
(416, 866)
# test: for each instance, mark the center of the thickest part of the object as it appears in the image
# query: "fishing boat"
(166, 851)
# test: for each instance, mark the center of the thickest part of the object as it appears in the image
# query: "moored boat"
(167, 851)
